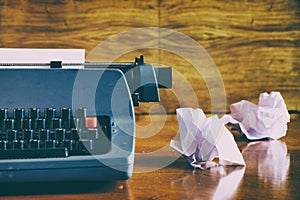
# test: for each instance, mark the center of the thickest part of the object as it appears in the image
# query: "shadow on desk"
(53, 188)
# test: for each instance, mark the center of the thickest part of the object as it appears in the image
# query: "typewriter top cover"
(62, 119)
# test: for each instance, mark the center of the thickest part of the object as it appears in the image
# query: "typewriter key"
(19, 113)
(49, 114)
(43, 134)
(27, 134)
(85, 146)
(91, 122)
(75, 134)
(8, 124)
(81, 115)
(65, 115)
(3, 115)
(39, 124)
(3, 144)
(60, 133)
(73, 123)
(55, 123)
(18, 144)
(68, 135)
(11, 135)
(93, 133)
(70, 144)
(84, 134)
(26, 123)
(50, 144)
(34, 113)
(34, 144)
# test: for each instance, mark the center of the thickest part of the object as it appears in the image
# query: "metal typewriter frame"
(126, 84)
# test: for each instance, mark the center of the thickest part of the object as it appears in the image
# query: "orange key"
(91, 122)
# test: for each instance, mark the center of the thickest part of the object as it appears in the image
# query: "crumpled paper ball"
(202, 139)
(268, 119)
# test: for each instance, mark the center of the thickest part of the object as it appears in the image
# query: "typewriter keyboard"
(52, 133)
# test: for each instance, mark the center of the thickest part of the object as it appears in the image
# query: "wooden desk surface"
(272, 171)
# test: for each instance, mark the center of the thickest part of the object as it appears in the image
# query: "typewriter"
(64, 120)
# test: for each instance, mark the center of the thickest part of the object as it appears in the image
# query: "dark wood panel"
(253, 43)
(70, 23)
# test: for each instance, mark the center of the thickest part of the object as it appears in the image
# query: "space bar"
(33, 153)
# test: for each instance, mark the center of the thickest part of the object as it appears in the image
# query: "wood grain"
(70, 23)
(254, 44)
(272, 172)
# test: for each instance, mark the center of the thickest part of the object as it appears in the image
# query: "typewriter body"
(74, 123)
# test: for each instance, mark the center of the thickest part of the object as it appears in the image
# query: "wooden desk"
(272, 172)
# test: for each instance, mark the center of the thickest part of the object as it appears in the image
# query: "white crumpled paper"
(268, 119)
(203, 139)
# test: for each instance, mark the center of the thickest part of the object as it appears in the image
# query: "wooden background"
(253, 43)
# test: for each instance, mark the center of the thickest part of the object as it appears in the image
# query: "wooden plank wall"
(253, 43)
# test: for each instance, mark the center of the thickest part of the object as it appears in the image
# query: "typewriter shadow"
(56, 188)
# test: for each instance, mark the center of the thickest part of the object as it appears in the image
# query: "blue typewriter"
(73, 123)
